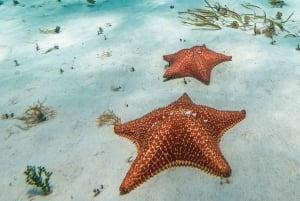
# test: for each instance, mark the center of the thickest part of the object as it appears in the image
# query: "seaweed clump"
(108, 118)
(36, 114)
(91, 1)
(216, 16)
(277, 3)
(56, 30)
(38, 177)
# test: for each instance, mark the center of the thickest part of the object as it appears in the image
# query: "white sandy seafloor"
(263, 150)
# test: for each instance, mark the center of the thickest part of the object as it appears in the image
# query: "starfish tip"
(244, 113)
(123, 192)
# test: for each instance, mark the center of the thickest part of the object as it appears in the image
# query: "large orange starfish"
(196, 62)
(181, 134)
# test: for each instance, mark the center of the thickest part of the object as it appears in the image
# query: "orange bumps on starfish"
(196, 62)
(180, 134)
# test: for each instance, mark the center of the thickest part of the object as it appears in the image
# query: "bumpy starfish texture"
(181, 134)
(196, 62)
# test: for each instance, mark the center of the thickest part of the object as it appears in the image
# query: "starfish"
(196, 62)
(180, 134)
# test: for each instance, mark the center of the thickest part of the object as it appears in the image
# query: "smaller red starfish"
(196, 62)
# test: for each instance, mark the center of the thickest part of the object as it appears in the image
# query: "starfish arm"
(204, 61)
(205, 152)
(137, 130)
(173, 57)
(191, 144)
(184, 99)
(180, 64)
(169, 57)
(202, 74)
(148, 162)
(220, 121)
(178, 69)
(213, 58)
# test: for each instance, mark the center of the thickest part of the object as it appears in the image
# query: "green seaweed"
(277, 3)
(215, 17)
(38, 177)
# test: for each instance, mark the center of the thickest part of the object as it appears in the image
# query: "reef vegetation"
(36, 114)
(108, 118)
(38, 177)
(216, 16)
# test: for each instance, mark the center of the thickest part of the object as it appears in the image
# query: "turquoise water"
(77, 72)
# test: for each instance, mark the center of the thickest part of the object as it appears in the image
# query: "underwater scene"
(150, 100)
